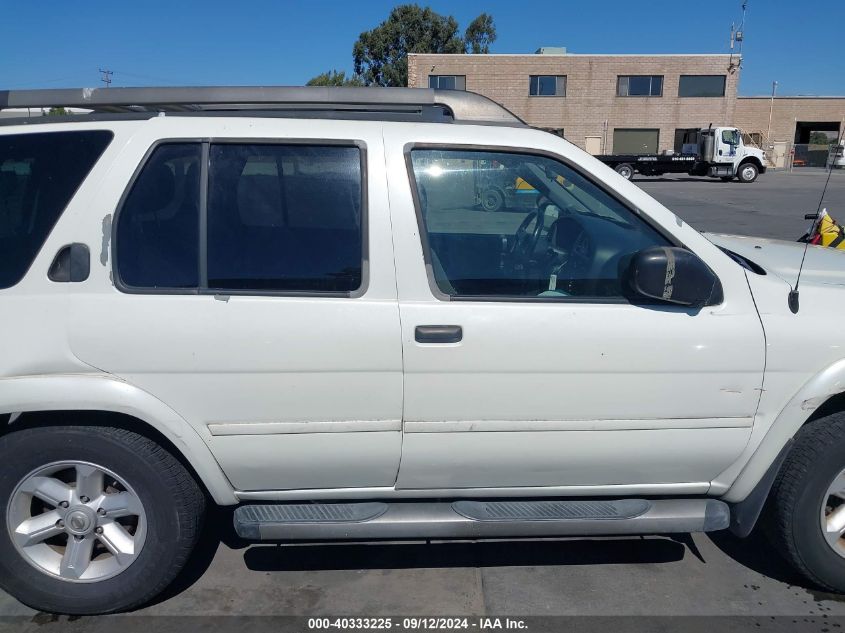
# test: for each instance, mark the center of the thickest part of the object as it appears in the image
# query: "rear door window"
(158, 226)
(285, 218)
(39, 174)
(278, 218)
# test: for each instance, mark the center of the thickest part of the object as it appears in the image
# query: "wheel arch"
(823, 394)
(751, 159)
(104, 400)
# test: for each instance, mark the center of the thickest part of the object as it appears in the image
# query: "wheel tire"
(171, 500)
(492, 200)
(794, 509)
(625, 170)
(748, 172)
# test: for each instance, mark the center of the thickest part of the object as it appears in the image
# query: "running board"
(477, 519)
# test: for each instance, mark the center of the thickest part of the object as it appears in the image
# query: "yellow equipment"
(828, 232)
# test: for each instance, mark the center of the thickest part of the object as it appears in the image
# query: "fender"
(752, 159)
(99, 392)
(792, 417)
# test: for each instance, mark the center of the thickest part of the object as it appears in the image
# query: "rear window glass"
(158, 226)
(39, 174)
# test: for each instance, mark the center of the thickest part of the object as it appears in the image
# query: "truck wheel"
(625, 170)
(96, 519)
(492, 200)
(806, 512)
(748, 172)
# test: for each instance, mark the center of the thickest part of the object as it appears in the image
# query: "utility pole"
(106, 78)
(771, 109)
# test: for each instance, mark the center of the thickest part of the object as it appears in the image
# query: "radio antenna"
(792, 299)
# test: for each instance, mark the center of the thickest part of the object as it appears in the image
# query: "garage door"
(635, 141)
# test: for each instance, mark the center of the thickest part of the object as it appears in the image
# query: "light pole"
(771, 108)
(770, 146)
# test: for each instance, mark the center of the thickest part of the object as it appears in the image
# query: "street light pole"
(771, 108)
(771, 146)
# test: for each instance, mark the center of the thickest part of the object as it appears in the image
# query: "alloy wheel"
(76, 521)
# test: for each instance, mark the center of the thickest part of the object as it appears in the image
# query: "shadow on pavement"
(755, 553)
(683, 179)
(218, 529)
(375, 555)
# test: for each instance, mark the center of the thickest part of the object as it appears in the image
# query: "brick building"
(626, 103)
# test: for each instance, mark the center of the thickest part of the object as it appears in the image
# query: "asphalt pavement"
(772, 206)
(700, 575)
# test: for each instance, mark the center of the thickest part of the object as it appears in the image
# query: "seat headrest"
(155, 188)
(565, 231)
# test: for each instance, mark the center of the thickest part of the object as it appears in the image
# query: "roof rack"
(463, 106)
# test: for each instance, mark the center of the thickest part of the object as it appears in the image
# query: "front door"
(556, 378)
(253, 292)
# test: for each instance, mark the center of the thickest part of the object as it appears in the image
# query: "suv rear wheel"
(96, 519)
(806, 512)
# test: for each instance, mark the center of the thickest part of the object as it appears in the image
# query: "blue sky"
(62, 44)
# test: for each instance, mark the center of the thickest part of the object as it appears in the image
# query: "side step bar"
(477, 519)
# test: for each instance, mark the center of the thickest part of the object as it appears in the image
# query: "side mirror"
(674, 275)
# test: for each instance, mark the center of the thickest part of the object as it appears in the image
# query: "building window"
(447, 82)
(701, 86)
(557, 131)
(639, 86)
(754, 138)
(547, 86)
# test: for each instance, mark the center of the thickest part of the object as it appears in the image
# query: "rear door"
(250, 286)
(527, 364)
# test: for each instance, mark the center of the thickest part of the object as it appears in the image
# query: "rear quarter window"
(39, 174)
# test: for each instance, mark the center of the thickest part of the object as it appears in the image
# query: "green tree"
(335, 78)
(57, 112)
(381, 55)
(819, 138)
(480, 34)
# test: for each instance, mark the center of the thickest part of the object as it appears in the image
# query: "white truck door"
(257, 297)
(728, 145)
(526, 363)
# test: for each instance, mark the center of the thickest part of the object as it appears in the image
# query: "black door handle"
(438, 333)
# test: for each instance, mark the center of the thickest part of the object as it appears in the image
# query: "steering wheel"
(525, 239)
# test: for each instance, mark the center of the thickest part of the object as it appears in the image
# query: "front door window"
(513, 225)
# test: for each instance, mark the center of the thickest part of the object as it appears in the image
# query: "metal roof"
(463, 106)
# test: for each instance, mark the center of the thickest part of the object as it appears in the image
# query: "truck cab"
(723, 154)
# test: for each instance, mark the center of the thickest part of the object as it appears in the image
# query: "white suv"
(293, 300)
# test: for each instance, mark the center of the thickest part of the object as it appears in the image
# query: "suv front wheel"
(806, 508)
(96, 519)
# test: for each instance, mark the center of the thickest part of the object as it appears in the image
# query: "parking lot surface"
(654, 576)
(773, 206)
